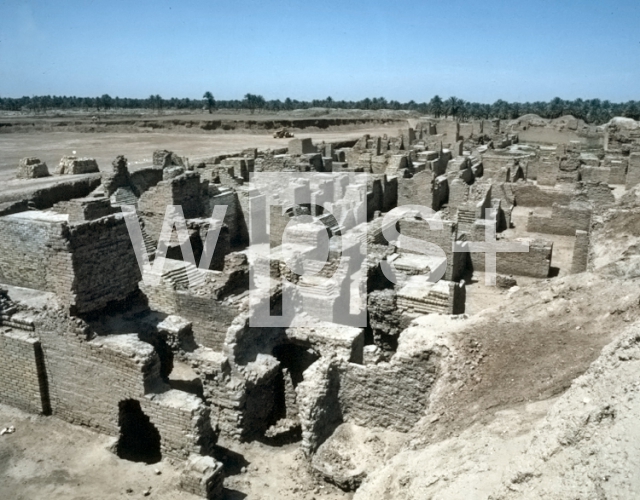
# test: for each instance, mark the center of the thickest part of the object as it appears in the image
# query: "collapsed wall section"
(210, 317)
(89, 379)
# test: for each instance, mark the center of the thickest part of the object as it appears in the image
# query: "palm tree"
(254, 102)
(435, 106)
(452, 106)
(211, 102)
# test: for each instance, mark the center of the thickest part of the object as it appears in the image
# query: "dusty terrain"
(47, 458)
(516, 412)
(138, 148)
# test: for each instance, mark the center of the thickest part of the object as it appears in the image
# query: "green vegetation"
(592, 110)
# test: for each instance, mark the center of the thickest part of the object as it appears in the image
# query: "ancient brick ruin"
(102, 344)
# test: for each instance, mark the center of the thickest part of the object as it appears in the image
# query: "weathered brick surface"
(184, 190)
(21, 372)
(565, 220)
(87, 265)
(72, 165)
(31, 168)
(580, 252)
(210, 317)
(444, 238)
(88, 379)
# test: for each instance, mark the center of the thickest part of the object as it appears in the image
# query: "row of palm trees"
(594, 111)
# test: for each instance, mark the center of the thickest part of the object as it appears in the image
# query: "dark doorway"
(296, 359)
(139, 439)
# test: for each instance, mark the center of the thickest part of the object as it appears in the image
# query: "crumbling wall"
(243, 402)
(40, 250)
(565, 220)
(595, 174)
(31, 168)
(617, 167)
(41, 198)
(84, 209)
(444, 238)
(418, 190)
(210, 317)
(530, 195)
(88, 379)
(633, 171)
(319, 404)
(104, 265)
(144, 179)
(580, 258)
(72, 165)
(301, 147)
(391, 395)
(183, 190)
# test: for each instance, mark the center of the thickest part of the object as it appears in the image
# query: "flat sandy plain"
(136, 137)
(138, 148)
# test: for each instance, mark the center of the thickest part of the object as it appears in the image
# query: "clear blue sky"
(403, 50)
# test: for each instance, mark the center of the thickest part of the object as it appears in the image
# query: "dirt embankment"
(227, 122)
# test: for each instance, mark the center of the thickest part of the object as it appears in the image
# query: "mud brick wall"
(245, 200)
(27, 247)
(88, 379)
(417, 190)
(393, 396)
(184, 190)
(22, 378)
(73, 165)
(275, 163)
(104, 265)
(83, 209)
(530, 195)
(390, 193)
(318, 404)
(210, 317)
(599, 195)
(203, 477)
(300, 147)
(618, 168)
(419, 229)
(595, 174)
(458, 190)
(633, 171)
(243, 403)
(183, 422)
(144, 179)
(548, 170)
(277, 224)
(535, 262)
(494, 164)
(580, 252)
(564, 220)
(231, 217)
(241, 167)
(61, 191)
(87, 265)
